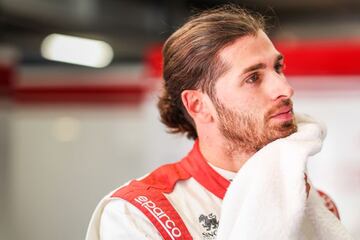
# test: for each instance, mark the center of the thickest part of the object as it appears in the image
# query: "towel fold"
(267, 199)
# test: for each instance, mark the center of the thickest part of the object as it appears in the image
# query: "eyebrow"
(261, 65)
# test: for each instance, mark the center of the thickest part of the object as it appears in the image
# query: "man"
(225, 88)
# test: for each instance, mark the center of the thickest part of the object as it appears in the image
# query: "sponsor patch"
(165, 221)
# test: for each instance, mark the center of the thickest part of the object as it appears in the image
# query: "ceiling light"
(76, 50)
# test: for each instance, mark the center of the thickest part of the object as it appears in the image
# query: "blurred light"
(76, 50)
(66, 129)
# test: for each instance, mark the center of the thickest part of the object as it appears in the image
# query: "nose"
(279, 87)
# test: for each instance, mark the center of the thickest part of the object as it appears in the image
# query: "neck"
(222, 155)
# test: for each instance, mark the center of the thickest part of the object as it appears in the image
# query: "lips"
(283, 110)
(283, 114)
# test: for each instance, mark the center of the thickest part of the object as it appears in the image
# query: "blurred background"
(79, 81)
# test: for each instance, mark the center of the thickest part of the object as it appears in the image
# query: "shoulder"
(148, 195)
(115, 218)
(162, 179)
(136, 208)
(120, 220)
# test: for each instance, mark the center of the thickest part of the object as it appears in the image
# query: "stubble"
(248, 132)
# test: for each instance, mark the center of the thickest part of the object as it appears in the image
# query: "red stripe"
(302, 57)
(83, 94)
(157, 209)
(7, 74)
(165, 177)
(200, 170)
(336, 57)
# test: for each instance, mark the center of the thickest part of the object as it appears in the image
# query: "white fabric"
(121, 220)
(267, 198)
(229, 175)
(115, 219)
(190, 199)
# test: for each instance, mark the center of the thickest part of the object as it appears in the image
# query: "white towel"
(267, 199)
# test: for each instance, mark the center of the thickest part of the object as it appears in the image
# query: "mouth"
(284, 113)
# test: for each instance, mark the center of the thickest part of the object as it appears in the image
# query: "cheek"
(236, 99)
(248, 102)
(253, 108)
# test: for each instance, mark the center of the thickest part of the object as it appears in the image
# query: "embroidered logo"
(165, 221)
(210, 223)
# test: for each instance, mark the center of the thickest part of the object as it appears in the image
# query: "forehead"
(249, 50)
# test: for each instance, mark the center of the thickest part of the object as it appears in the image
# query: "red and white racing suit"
(181, 200)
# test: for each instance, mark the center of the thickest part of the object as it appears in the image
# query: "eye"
(279, 67)
(253, 78)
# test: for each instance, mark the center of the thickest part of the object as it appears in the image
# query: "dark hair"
(190, 59)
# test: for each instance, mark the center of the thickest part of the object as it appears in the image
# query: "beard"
(249, 131)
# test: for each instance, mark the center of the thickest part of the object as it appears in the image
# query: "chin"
(286, 129)
(275, 134)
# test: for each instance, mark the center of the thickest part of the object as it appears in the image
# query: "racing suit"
(181, 200)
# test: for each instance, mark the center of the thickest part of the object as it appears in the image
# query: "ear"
(196, 106)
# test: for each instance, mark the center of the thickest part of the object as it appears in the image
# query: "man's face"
(252, 99)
